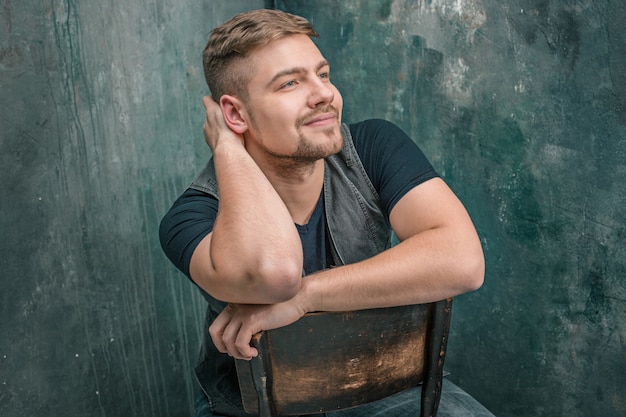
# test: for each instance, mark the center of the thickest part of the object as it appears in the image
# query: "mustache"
(315, 113)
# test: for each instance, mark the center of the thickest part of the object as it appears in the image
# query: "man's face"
(294, 111)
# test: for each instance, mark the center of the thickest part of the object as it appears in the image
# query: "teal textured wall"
(100, 129)
(521, 106)
(522, 109)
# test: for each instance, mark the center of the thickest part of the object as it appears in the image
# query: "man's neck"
(299, 187)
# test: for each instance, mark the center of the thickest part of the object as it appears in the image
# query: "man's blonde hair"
(226, 69)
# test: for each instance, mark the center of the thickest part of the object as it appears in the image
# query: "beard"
(308, 150)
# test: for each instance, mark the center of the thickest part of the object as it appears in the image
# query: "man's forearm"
(254, 253)
(423, 268)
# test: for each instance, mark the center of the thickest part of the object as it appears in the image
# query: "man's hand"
(215, 128)
(233, 329)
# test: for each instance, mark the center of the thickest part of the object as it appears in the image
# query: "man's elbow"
(279, 280)
(472, 271)
(476, 276)
(269, 281)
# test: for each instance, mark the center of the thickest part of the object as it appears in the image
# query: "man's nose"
(321, 93)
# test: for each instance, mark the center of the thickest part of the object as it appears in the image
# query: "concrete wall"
(521, 107)
(100, 129)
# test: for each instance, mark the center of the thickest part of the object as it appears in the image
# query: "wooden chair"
(330, 361)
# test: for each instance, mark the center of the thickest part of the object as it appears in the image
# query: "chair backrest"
(330, 361)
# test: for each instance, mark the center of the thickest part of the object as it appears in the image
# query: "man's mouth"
(325, 117)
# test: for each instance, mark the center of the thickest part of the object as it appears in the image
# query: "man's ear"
(234, 113)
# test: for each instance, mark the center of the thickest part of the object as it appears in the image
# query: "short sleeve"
(187, 222)
(393, 161)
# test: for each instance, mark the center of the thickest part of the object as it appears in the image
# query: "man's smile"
(326, 117)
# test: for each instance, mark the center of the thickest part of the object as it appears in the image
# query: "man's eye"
(325, 75)
(288, 84)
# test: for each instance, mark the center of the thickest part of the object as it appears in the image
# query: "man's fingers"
(206, 101)
(216, 337)
(242, 344)
(237, 340)
(229, 335)
(211, 106)
(219, 325)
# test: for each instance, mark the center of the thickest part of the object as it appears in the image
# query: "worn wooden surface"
(328, 361)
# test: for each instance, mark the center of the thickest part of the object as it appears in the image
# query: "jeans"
(454, 403)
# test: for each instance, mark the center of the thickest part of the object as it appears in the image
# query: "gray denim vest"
(357, 227)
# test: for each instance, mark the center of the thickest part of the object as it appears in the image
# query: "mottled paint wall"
(100, 129)
(521, 107)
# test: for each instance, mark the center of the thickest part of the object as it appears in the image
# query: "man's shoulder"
(370, 126)
(369, 130)
(374, 135)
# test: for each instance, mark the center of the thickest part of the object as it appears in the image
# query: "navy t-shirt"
(393, 162)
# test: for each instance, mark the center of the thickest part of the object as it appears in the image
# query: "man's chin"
(339, 145)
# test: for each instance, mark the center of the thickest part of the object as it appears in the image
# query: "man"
(294, 212)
